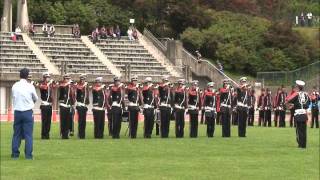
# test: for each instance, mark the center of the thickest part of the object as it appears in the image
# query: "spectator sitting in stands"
(130, 34)
(103, 33)
(17, 33)
(45, 29)
(199, 56)
(135, 34)
(77, 33)
(94, 36)
(52, 30)
(32, 30)
(118, 32)
(112, 34)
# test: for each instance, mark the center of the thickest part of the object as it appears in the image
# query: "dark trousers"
(148, 122)
(261, 117)
(65, 119)
(98, 119)
(242, 125)
(267, 118)
(225, 115)
(282, 118)
(165, 113)
(46, 114)
(218, 119)
(109, 116)
(210, 125)
(251, 117)
(116, 121)
(276, 117)
(234, 118)
(301, 130)
(179, 116)
(291, 121)
(193, 124)
(82, 119)
(133, 121)
(315, 117)
(22, 127)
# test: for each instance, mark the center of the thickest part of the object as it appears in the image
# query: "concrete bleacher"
(16, 55)
(125, 52)
(64, 48)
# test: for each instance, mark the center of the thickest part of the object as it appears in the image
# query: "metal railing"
(155, 41)
(286, 78)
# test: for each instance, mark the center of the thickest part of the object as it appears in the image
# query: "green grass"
(266, 153)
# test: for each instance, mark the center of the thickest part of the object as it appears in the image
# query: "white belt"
(98, 108)
(132, 104)
(267, 108)
(45, 103)
(208, 108)
(225, 105)
(147, 106)
(279, 108)
(300, 111)
(164, 105)
(65, 105)
(81, 104)
(178, 107)
(192, 107)
(115, 103)
(241, 104)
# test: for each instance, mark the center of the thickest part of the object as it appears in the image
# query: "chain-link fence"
(287, 78)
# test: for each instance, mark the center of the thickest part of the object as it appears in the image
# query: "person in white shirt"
(130, 34)
(52, 30)
(45, 29)
(18, 33)
(309, 18)
(23, 97)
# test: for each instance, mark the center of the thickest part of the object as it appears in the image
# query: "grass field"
(266, 153)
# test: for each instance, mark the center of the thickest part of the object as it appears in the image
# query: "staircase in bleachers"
(126, 52)
(63, 48)
(15, 55)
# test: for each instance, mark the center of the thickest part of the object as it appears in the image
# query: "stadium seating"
(16, 55)
(125, 52)
(63, 48)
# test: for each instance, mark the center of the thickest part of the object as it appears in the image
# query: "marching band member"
(148, 102)
(251, 104)
(116, 98)
(242, 107)
(234, 108)
(133, 91)
(267, 101)
(291, 121)
(165, 98)
(261, 107)
(66, 100)
(193, 101)
(276, 109)
(82, 101)
(99, 101)
(225, 107)
(300, 101)
(180, 104)
(280, 106)
(210, 104)
(315, 97)
(46, 87)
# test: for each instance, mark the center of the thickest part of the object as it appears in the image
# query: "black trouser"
(109, 116)
(148, 122)
(202, 116)
(210, 119)
(282, 118)
(251, 117)
(242, 118)
(315, 117)
(65, 118)
(157, 121)
(291, 121)
(276, 118)
(46, 114)
(267, 118)
(234, 118)
(261, 117)
(116, 121)
(82, 119)
(193, 114)
(225, 116)
(133, 120)
(165, 113)
(301, 130)
(98, 119)
(179, 114)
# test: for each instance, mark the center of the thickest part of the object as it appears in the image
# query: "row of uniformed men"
(149, 97)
